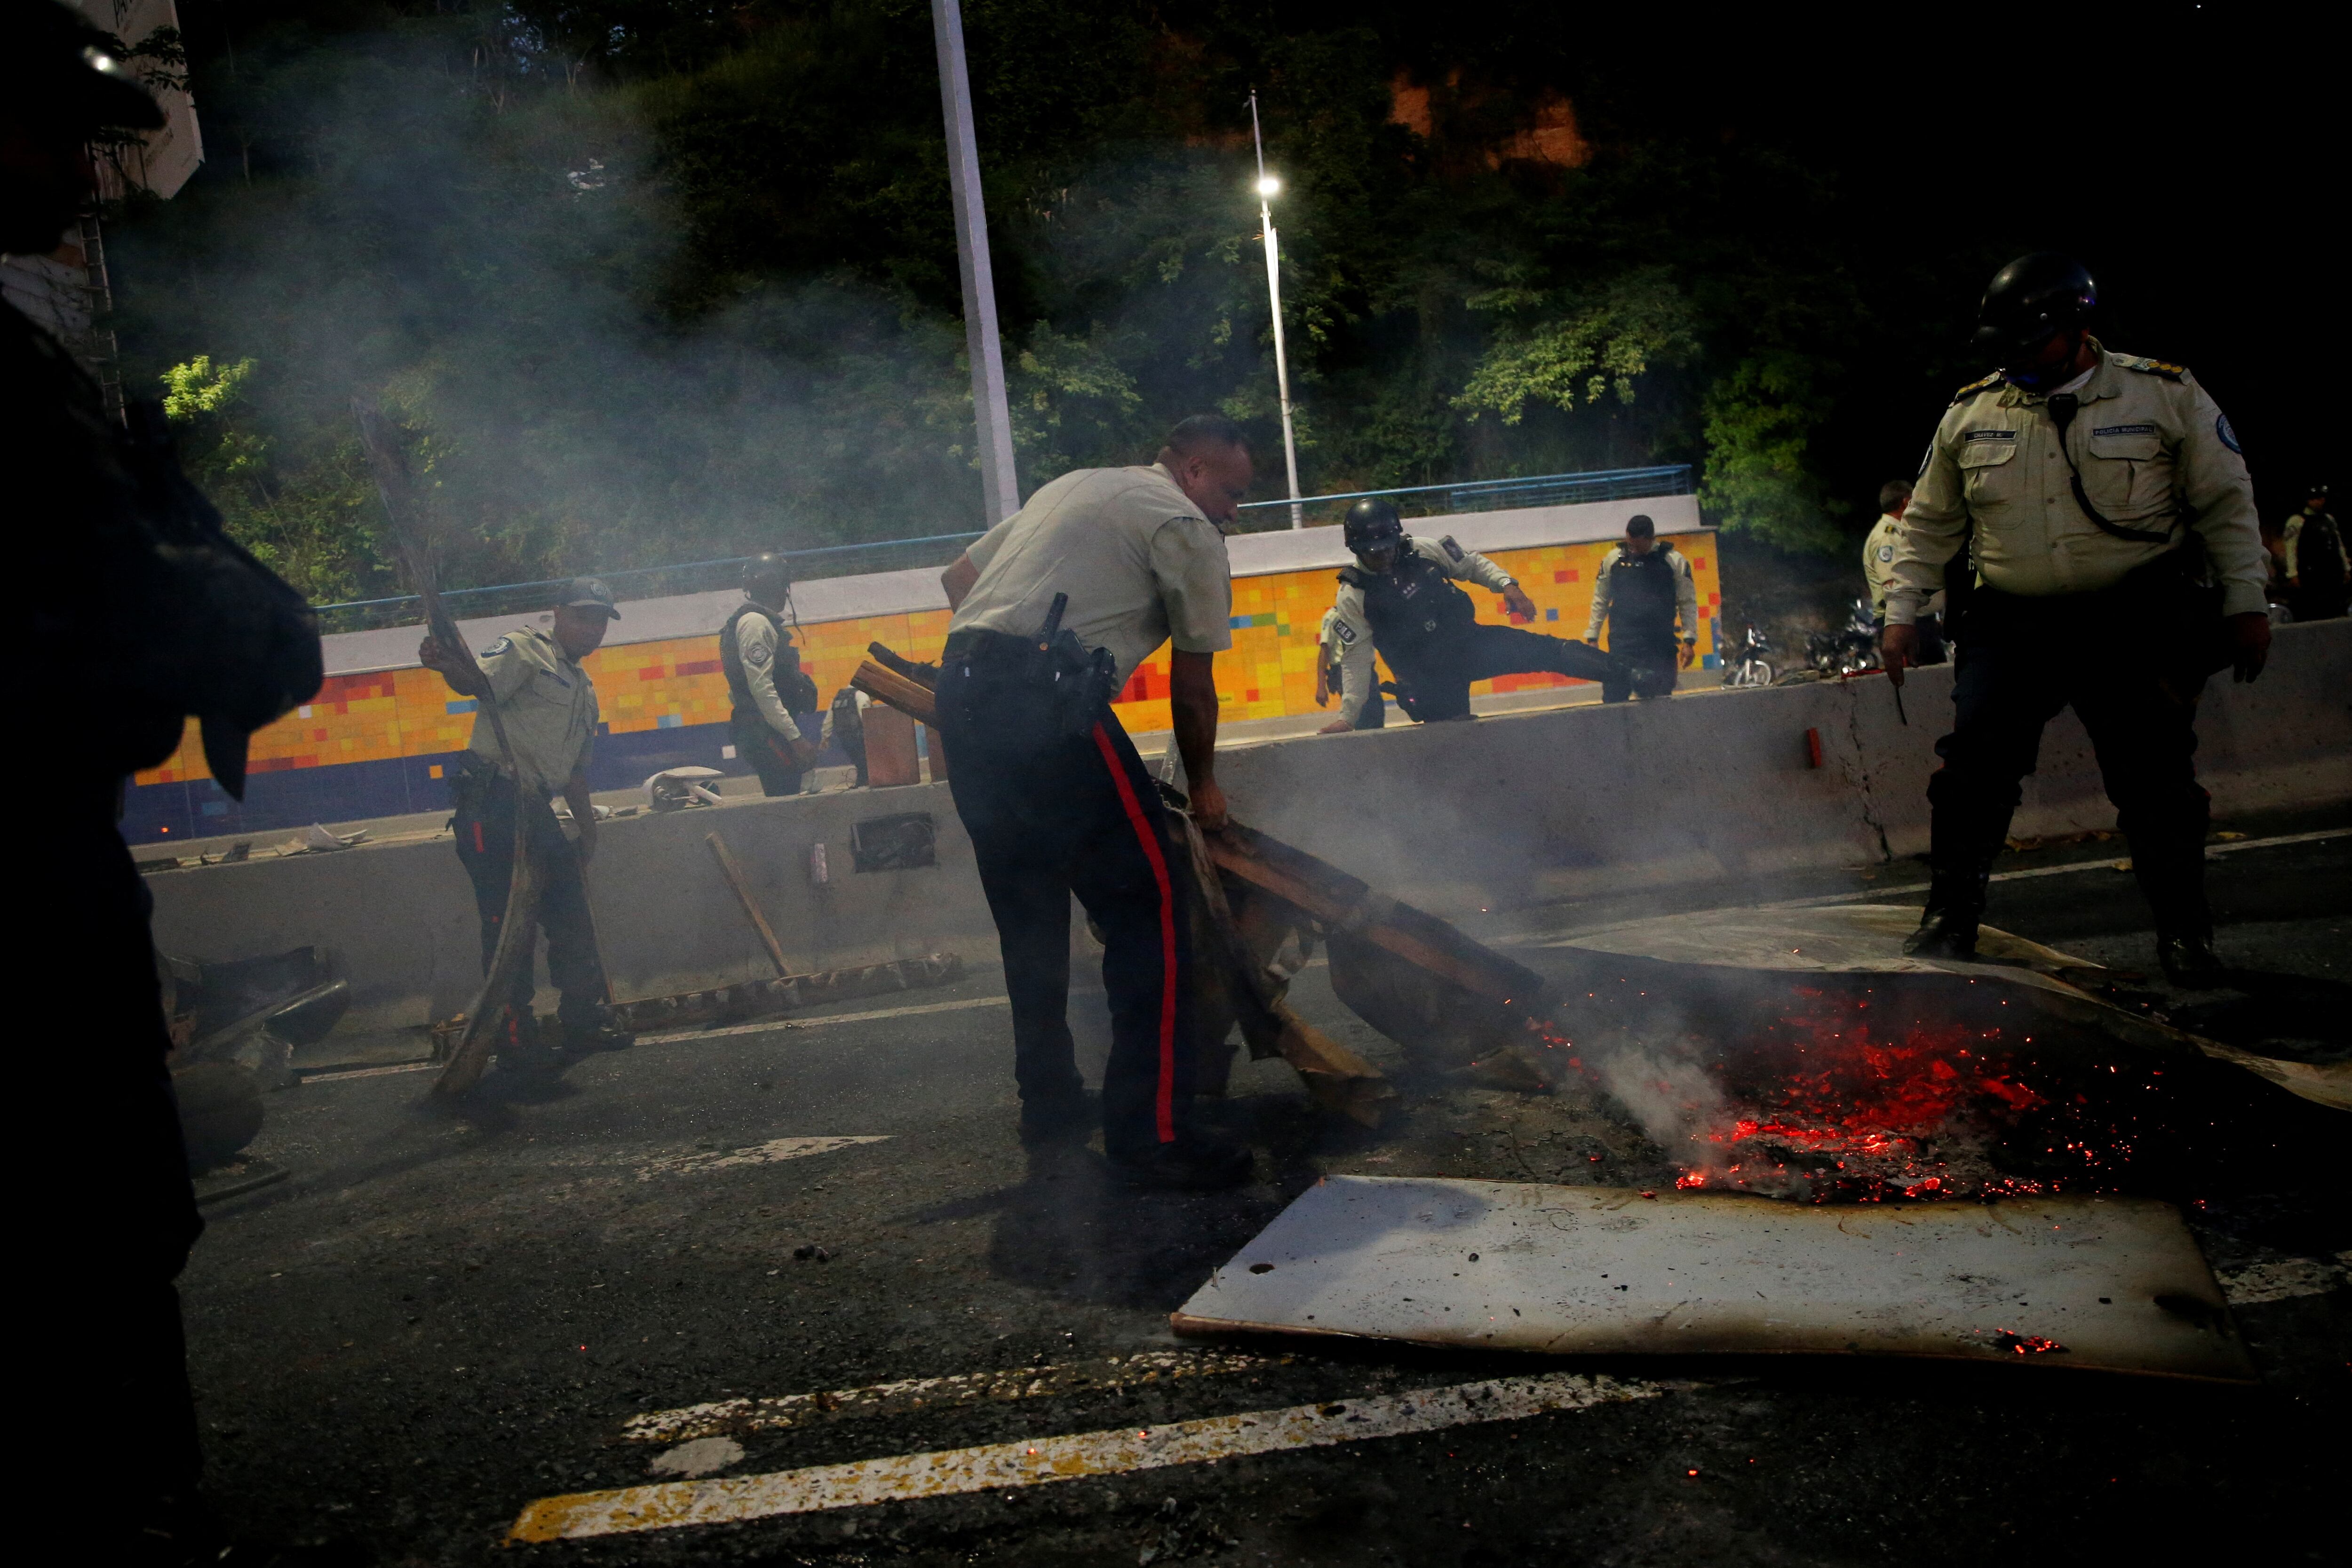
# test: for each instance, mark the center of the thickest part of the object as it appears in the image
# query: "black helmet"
(2033, 296)
(768, 578)
(1373, 523)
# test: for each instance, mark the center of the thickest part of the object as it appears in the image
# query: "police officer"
(2118, 563)
(549, 706)
(764, 678)
(1054, 797)
(1878, 571)
(142, 612)
(1332, 642)
(1399, 600)
(2317, 568)
(1643, 589)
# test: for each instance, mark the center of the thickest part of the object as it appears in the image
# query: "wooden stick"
(734, 875)
(910, 697)
(518, 927)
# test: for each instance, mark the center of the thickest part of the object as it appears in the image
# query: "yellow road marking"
(995, 1466)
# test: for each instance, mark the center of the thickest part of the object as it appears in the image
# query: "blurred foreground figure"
(764, 680)
(1054, 608)
(145, 613)
(1642, 591)
(2118, 563)
(2318, 571)
(1399, 600)
(549, 707)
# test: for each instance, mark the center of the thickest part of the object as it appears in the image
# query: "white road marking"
(758, 1154)
(2285, 1279)
(1038, 1461)
(703, 1456)
(365, 1072)
(740, 1415)
(770, 1025)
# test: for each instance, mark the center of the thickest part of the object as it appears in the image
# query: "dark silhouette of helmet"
(1373, 523)
(2033, 296)
(767, 578)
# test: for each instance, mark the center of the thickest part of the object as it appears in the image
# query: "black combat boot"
(2170, 869)
(1955, 902)
(2190, 960)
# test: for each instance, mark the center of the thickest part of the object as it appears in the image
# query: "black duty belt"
(989, 647)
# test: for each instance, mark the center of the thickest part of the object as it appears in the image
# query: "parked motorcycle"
(1849, 651)
(1752, 668)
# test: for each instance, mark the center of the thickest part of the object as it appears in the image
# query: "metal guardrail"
(1479, 495)
(941, 548)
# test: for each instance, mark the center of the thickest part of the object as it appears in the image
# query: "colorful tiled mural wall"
(380, 744)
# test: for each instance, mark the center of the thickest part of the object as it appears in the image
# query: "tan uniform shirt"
(1878, 566)
(1352, 629)
(755, 641)
(549, 705)
(2149, 442)
(1139, 562)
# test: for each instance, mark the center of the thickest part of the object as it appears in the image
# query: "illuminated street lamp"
(1267, 185)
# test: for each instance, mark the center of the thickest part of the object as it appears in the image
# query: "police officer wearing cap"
(2118, 562)
(1054, 608)
(549, 707)
(764, 678)
(1642, 590)
(1399, 600)
(142, 607)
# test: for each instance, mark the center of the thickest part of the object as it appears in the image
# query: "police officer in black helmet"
(2113, 563)
(1399, 600)
(764, 680)
(110, 534)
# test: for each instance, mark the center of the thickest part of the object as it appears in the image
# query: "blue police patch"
(2125, 430)
(1347, 633)
(498, 647)
(1451, 549)
(2229, 436)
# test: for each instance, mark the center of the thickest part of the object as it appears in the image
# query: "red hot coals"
(1852, 1099)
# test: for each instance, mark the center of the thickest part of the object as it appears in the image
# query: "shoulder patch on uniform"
(1450, 547)
(1886, 552)
(1972, 388)
(498, 647)
(2152, 366)
(1345, 633)
(2229, 436)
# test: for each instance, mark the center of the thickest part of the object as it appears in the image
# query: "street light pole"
(1267, 187)
(992, 415)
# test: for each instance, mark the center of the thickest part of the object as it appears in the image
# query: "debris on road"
(675, 789)
(2118, 1282)
(751, 912)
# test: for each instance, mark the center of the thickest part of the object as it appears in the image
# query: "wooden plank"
(907, 697)
(890, 757)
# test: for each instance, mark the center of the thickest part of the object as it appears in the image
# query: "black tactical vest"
(1411, 605)
(798, 693)
(1642, 593)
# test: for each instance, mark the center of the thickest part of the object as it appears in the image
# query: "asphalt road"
(438, 1320)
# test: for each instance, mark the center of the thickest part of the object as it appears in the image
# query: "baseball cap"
(585, 592)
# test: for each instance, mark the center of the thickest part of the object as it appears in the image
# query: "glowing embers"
(1835, 1101)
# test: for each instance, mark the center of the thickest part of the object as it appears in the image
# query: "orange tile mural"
(1269, 673)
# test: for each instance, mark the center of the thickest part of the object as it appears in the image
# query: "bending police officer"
(549, 706)
(2118, 563)
(1399, 600)
(764, 680)
(1642, 590)
(1054, 608)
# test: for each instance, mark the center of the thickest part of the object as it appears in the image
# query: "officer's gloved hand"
(2250, 644)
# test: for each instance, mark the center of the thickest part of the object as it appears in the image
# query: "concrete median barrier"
(1457, 818)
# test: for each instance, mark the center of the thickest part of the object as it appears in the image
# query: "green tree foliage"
(649, 281)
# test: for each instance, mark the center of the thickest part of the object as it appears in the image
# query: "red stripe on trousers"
(478, 840)
(1164, 1105)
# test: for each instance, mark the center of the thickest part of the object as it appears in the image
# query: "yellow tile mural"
(1269, 673)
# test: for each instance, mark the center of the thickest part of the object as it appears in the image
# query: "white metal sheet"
(2111, 1283)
